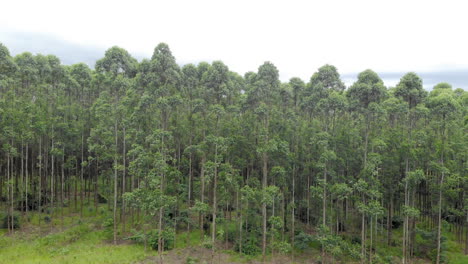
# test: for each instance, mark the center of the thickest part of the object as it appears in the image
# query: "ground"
(86, 240)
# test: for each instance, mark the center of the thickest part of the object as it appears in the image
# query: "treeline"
(261, 165)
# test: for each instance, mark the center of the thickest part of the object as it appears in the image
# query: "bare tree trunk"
(308, 200)
(52, 176)
(264, 212)
(82, 175)
(371, 239)
(324, 207)
(10, 216)
(389, 221)
(39, 203)
(124, 160)
(22, 171)
(202, 178)
(115, 184)
(63, 181)
(27, 180)
(293, 210)
(215, 185)
(439, 225)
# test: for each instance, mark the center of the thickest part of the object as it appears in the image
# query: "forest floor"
(85, 240)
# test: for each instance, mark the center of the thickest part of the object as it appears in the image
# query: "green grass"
(80, 244)
(80, 241)
(85, 240)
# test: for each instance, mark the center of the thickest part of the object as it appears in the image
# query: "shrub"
(47, 219)
(16, 220)
(191, 260)
(167, 238)
(249, 246)
(108, 225)
(207, 243)
(302, 241)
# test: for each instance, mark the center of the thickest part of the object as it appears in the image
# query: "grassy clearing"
(80, 241)
(79, 244)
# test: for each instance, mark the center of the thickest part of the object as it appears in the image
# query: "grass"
(81, 241)
(85, 240)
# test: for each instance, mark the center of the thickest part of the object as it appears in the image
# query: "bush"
(47, 219)
(108, 225)
(207, 243)
(282, 247)
(191, 260)
(152, 238)
(302, 241)
(249, 246)
(167, 238)
(16, 220)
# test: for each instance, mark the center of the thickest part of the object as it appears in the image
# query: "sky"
(389, 37)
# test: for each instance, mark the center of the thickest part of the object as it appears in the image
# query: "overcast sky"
(390, 37)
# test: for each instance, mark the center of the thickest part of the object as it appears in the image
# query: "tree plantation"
(305, 170)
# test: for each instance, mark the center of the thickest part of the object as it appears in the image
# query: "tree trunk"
(122, 213)
(264, 212)
(215, 185)
(82, 175)
(202, 178)
(115, 184)
(27, 180)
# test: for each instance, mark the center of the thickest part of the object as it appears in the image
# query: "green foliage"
(302, 240)
(148, 137)
(16, 220)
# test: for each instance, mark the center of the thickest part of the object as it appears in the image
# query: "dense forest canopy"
(258, 165)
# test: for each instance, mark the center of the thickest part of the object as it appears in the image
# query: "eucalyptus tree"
(442, 104)
(368, 89)
(150, 165)
(28, 72)
(7, 67)
(116, 67)
(262, 97)
(410, 89)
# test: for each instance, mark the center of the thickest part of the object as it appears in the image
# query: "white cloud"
(298, 36)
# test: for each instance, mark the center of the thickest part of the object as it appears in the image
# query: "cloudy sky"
(390, 37)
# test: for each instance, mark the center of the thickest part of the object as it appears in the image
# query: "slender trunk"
(63, 182)
(39, 202)
(202, 178)
(82, 175)
(371, 239)
(115, 183)
(439, 225)
(52, 176)
(161, 209)
(22, 172)
(27, 181)
(363, 235)
(189, 203)
(123, 180)
(10, 214)
(239, 213)
(389, 221)
(264, 212)
(293, 234)
(308, 200)
(215, 185)
(324, 206)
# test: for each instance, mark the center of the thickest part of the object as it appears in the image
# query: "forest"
(161, 155)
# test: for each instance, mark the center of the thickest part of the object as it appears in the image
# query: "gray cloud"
(69, 53)
(458, 78)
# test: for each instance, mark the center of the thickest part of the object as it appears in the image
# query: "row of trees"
(199, 145)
